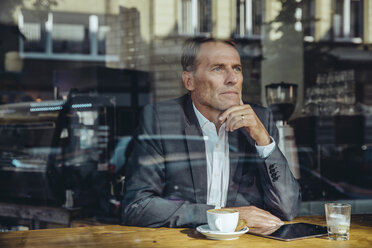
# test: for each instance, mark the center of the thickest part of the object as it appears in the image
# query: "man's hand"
(257, 217)
(243, 116)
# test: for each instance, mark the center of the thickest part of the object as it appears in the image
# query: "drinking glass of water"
(338, 220)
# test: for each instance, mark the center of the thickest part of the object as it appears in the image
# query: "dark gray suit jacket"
(166, 177)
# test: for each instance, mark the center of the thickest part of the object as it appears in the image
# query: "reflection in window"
(348, 19)
(102, 37)
(195, 16)
(32, 26)
(52, 35)
(70, 33)
(356, 18)
(249, 17)
(308, 19)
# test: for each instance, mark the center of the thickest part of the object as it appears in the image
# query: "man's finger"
(243, 117)
(248, 121)
(230, 110)
(236, 111)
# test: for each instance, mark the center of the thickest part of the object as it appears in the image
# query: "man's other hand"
(257, 217)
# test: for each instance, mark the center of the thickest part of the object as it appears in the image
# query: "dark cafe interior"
(75, 77)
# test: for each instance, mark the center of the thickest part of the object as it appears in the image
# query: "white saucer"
(216, 235)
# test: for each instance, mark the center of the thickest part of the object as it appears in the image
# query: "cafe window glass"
(348, 20)
(195, 16)
(75, 76)
(249, 14)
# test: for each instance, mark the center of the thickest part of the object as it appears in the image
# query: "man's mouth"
(230, 93)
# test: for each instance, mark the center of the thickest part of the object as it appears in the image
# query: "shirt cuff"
(265, 151)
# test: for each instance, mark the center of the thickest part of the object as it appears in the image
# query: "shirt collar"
(201, 118)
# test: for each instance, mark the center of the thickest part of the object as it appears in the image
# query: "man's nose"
(232, 77)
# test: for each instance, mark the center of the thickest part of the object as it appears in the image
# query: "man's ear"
(188, 80)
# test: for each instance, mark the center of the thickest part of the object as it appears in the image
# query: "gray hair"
(191, 50)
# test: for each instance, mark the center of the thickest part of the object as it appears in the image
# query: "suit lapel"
(196, 152)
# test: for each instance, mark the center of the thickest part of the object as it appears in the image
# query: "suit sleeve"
(143, 202)
(282, 196)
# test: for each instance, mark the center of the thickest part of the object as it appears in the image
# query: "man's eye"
(238, 69)
(217, 69)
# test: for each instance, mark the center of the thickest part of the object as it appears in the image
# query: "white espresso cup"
(223, 220)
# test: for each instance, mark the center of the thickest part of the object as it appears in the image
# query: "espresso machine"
(281, 98)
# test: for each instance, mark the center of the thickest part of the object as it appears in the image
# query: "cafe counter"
(126, 236)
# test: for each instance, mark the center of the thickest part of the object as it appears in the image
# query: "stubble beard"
(215, 105)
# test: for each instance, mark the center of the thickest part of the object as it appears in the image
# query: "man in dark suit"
(207, 149)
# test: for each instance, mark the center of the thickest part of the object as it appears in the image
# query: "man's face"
(216, 83)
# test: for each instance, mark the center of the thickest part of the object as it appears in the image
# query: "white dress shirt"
(218, 162)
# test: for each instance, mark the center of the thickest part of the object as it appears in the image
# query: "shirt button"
(216, 145)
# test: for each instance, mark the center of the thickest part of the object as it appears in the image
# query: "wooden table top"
(125, 236)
